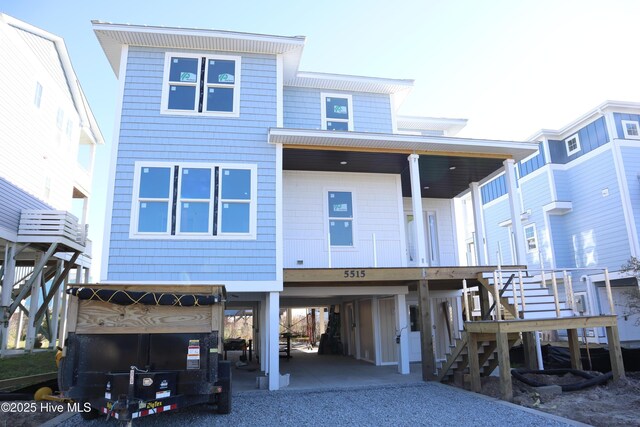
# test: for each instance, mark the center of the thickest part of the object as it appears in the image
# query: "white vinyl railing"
(51, 223)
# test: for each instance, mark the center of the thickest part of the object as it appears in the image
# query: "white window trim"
(327, 228)
(134, 234)
(578, 146)
(236, 86)
(624, 129)
(535, 237)
(323, 109)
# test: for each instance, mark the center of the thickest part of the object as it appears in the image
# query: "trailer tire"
(90, 415)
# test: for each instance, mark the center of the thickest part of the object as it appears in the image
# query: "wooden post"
(522, 299)
(607, 283)
(504, 365)
(426, 339)
(474, 365)
(554, 286)
(530, 352)
(465, 300)
(484, 302)
(615, 354)
(574, 349)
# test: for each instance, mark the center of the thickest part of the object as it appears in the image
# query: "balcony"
(50, 226)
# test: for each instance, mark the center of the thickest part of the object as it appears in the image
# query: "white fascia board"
(327, 81)
(331, 291)
(113, 36)
(506, 149)
(230, 285)
(585, 119)
(451, 125)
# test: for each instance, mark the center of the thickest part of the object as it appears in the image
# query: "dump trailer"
(132, 351)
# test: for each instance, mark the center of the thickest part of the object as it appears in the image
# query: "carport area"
(309, 371)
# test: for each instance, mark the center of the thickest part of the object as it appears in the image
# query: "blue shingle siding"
(493, 189)
(14, 199)
(595, 229)
(591, 137)
(631, 161)
(145, 134)
(618, 117)
(536, 194)
(563, 187)
(371, 112)
(533, 164)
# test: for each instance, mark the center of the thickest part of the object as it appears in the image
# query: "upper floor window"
(531, 238)
(201, 84)
(194, 200)
(340, 205)
(37, 99)
(337, 111)
(631, 129)
(60, 118)
(572, 144)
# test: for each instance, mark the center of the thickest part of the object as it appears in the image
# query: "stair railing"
(567, 281)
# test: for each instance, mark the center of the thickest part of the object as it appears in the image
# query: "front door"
(430, 231)
(415, 349)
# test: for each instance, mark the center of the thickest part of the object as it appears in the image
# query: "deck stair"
(458, 360)
(539, 300)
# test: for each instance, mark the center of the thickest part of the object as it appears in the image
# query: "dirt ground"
(612, 404)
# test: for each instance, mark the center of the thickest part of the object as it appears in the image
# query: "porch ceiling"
(435, 172)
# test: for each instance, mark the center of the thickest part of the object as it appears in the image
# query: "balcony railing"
(45, 225)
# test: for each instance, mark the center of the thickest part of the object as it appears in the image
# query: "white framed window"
(531, 238)
(37, 99)
(194, 201)
(340, 217)
(631, 129)
(201, 85)
(337, 111)
(572, 144)
(60, 118)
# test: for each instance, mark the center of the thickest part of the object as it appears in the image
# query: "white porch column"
(63, 312)
(515, 208)
(418, 217)
(55, 309)
(79, 275)
(34, 300)
(478, 224)
(401, 324)
(321, 320)
(263, 331)
(7, 287)
(273, 334)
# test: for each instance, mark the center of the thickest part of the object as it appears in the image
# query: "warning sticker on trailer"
(193, 354)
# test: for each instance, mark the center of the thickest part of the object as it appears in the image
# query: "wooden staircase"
(458, 359)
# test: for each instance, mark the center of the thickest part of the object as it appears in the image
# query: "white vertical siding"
(376, 211)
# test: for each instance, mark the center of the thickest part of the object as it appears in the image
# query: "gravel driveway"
(429, 404)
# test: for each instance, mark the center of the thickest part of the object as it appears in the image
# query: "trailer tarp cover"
(121, 297)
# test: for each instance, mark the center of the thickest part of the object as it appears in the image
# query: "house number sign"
(354, 274)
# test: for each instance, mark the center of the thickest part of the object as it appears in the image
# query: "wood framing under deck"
(501, 329)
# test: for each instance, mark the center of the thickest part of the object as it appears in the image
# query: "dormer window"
(631, 129)
(201, 85)
(337, 112)
(572, 144)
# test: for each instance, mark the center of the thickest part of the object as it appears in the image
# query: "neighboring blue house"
(580, 205)
(48, 137)
(230, 166)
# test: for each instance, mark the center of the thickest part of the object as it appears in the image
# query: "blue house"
(292, 189)
(47, 144)
(579, 209)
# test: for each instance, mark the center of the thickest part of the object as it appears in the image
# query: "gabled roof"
(113, 36)
(450, 126)
(591, 115)
(59, 66)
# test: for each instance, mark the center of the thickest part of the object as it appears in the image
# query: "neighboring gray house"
(47, 149)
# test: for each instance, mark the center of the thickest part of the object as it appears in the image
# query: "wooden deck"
(500, 329)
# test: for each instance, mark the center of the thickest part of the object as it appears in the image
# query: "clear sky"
(510, 67)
